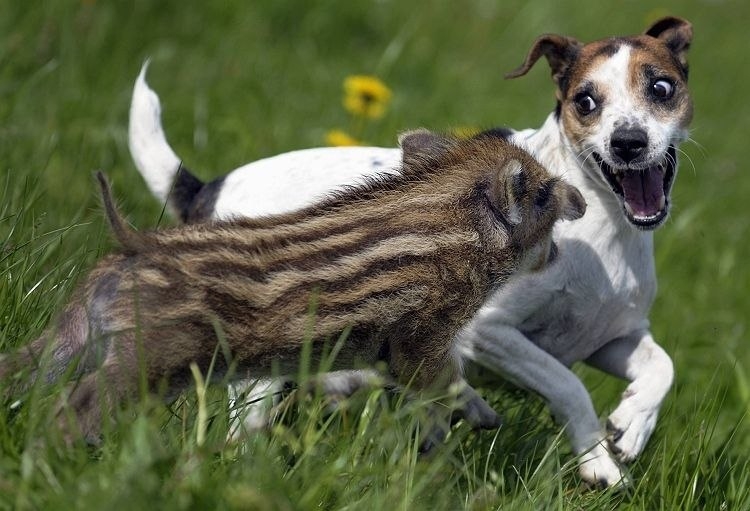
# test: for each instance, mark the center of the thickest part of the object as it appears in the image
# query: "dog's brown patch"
(651, 60)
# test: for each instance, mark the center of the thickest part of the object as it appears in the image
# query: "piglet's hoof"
(475, 410)
(435, 435)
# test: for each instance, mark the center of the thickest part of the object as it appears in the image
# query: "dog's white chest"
(593, 295)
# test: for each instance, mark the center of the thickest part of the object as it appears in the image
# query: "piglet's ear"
(676, 33)
(419, 140)
(422, 143)
(506, 191)
(560, 51)
(574, 205)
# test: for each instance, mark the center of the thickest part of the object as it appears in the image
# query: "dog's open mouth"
(644, 192)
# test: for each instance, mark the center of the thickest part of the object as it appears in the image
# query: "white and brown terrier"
(623, 106)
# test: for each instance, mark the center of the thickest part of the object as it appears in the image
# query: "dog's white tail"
(155, 159)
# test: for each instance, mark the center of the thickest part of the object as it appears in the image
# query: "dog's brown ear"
(676, 33)
(560, 51)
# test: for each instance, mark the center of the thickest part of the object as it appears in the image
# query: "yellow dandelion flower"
(338, 138)
(366, 96)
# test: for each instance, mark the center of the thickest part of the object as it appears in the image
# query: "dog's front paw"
(599, 470)
(628, 430)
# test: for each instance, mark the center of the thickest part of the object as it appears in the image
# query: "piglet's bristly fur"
(399, 264)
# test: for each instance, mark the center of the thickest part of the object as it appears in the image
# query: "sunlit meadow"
(245, 80)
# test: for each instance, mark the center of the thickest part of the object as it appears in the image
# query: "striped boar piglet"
(397, 264)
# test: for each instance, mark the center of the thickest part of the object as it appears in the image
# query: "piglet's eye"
(662, 89)
(585, 104)
(543, 194)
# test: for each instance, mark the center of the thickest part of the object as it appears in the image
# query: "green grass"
(243, 80)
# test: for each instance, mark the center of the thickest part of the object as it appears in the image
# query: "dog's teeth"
(629, 209)
(662, 202)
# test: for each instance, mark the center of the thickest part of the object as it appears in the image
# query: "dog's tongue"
(644, 191)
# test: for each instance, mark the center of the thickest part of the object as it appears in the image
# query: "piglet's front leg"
(452, 398)
(463, 403)
(472, 408)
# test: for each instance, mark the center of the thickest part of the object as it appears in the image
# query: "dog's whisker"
(701, 147)
(585, 150)
(687, 157)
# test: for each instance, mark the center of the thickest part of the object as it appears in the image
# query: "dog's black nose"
(628, 143)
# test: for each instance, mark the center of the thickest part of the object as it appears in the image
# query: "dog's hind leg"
(638, 359)
(250, 405)
(251, 402)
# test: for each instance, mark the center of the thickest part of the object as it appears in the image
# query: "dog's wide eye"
(585, 104)
(662, 89)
